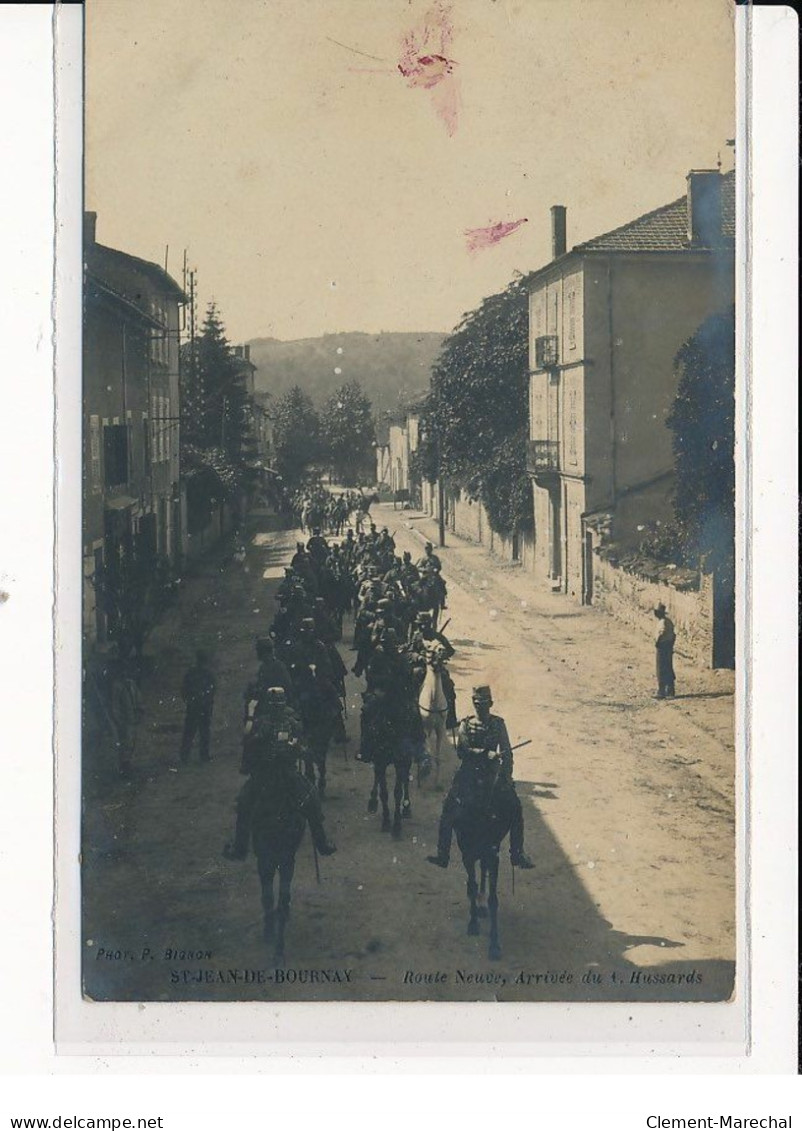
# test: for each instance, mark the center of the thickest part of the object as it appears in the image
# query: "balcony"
(542, 457)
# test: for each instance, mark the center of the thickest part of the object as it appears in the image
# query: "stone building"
(132, 502)
(607, 318)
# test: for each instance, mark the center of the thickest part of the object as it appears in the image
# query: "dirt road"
(628, 805)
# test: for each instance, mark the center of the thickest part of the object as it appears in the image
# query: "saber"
(445, 626)
(518, 745)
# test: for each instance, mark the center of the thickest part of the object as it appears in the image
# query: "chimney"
(704, 207)
(90, 228)
(558, 240)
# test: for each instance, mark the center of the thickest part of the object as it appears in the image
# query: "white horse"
(433, 706)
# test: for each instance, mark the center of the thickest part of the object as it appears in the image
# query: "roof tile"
(664, 229)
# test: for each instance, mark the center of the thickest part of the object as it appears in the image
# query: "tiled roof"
(111, 265)
(665, 229)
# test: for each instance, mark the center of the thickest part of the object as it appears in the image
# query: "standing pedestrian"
(126, 711)
(664, 645)
(197, 691)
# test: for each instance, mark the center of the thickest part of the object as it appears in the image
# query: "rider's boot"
(441, 860)
(238, 848)
(518, 857)
(314, 816)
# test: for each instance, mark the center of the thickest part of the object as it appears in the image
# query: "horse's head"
(435, 654)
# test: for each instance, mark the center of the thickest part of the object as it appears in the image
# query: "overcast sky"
(316, 191)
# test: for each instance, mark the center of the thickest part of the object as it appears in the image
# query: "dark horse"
(431, 595)
(481, 826)
(385, 742)
(283, 804)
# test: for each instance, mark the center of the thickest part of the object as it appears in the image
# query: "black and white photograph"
(409, 512)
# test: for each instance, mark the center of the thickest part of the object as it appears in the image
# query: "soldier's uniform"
(430, 564)
(272, 673)
(273, 744)
(198, 690)
(317, 547)
(485, 770)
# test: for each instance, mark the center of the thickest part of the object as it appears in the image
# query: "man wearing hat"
(317, 547)
(430, 564)
(271, 673)
(481, 738)
(664, 645)
(425, 632)
(309, 652)
(273, 744)
(197, 691)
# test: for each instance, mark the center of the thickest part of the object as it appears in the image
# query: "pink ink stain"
(476, 239)
(426, 65)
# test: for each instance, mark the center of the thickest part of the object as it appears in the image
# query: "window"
(154, 428)
(572, 421)
(168, 430)
(572, 320)
(146, 449)
(115, 454)
(94, 454)
(160, 426)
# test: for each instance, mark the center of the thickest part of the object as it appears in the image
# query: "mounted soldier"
(424, 638)
(272, 672)
(484, 778)
(317, 547)
(273, 809)
(408, 570)
(316, 692)
(426, 632)
(272, 734)
(431, 566)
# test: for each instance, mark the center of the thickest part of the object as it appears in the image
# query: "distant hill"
(388, 365)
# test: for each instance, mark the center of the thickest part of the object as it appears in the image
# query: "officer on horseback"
(273, 743)
(430, 565)
(482, 741)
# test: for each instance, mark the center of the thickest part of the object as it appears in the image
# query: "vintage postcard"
(409, 523)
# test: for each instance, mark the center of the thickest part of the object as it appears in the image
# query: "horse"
(384, 743)
(480, 828)
(433, 706)
(431, 595)
(278, 823)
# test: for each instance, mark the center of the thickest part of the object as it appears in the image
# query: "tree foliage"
(477, 414)
(296, 436)
(217, 409)
(702, 420)
(348, 434)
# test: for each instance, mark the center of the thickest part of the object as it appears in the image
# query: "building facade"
(132, 498)
(606, 321)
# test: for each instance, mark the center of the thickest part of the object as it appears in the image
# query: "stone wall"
(632, 598)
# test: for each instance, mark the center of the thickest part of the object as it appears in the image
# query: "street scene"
(630, 821)
(408, 653)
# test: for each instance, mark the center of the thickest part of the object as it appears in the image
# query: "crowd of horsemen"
(295, 707)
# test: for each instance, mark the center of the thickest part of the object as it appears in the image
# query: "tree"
(348, 434)
(217, 406)
(702, 420)
(296, 436)
(475, 423)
